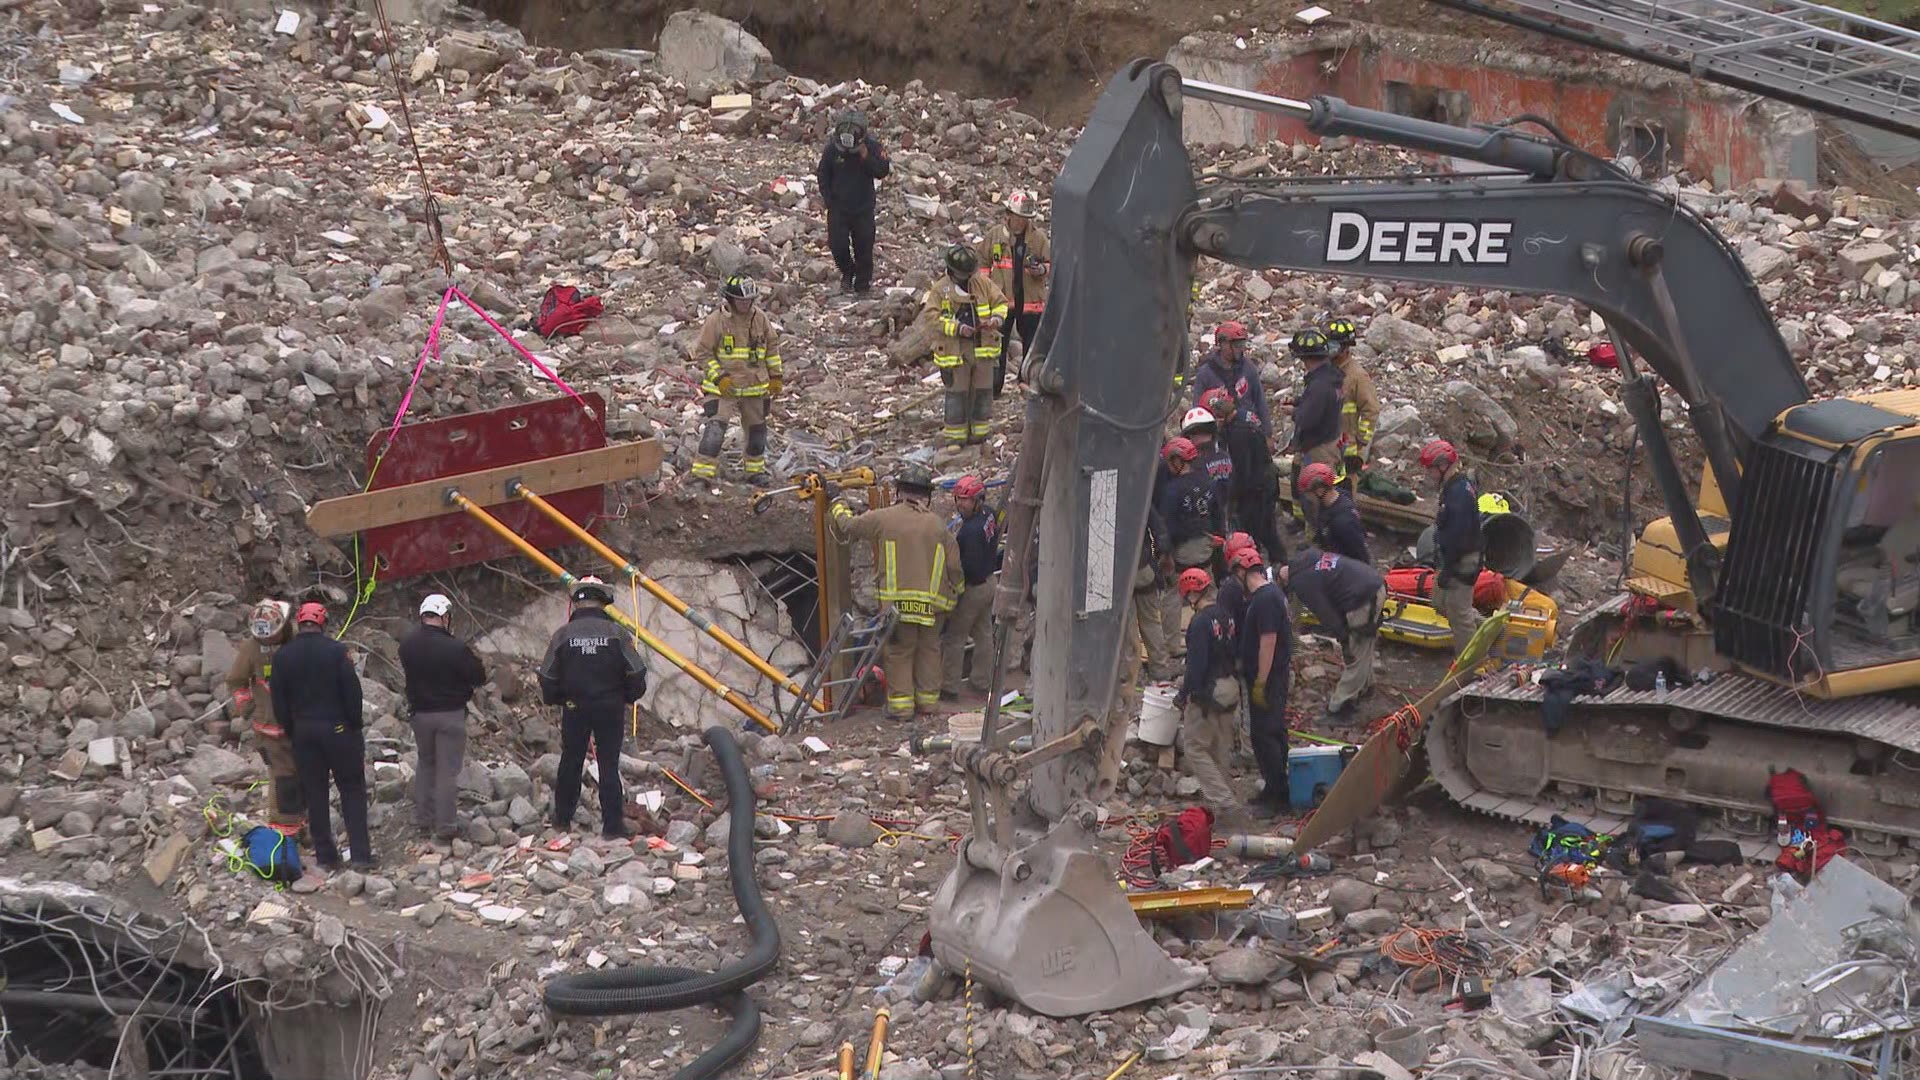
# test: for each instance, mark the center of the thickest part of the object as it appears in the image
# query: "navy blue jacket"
(1217, 462)
(315, 689)
(1212, 638)
(1243, 382)
(1316, 416)
(846, 180)
(1456, 525)
(979, 538)
(1190, 507)
(592, 663)
(1339, 530)
(1330, 586)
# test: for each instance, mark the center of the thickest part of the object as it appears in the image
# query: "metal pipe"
(566, 577)
(878, 1047)
(113, 1006)
(1124, 1066)
(659, 592)
(846, 1061)
(826, 562)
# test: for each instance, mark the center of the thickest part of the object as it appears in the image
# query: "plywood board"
(428, 498)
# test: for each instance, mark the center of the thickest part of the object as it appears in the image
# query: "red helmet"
(1230, 331)
(1602, 355)
(1194, 580)
(1218, 402)
(1247, 559)
(1438, 454)
(968, 487)
(1236, 543)
(311, 612)
(1316, 477)
(1181, 448)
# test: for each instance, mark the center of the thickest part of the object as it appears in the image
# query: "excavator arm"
(1023, 910)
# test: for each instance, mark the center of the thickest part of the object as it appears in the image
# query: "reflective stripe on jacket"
(948, 306)
(917, 558)
(996, 253)
(744, 348)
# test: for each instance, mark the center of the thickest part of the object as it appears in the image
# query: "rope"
(1451, 951)
(972, 1068)
(1406, 723)
(419, 163)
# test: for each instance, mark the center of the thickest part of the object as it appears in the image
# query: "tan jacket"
(946, 307)
(247, 679)
(996, 254)
(745, 348)
(917, 558)
(1359, 408)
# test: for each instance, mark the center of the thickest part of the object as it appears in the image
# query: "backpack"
(1815, 841)
(1188, 838)
(271, 854)
(565, 311)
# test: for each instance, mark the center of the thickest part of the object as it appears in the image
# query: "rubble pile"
(218, 270)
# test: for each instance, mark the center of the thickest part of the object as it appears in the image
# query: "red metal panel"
(468, 443)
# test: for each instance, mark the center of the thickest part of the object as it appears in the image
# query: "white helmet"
(1020, 204)
(436, 604)
(591, 589)
(1196, 419)
(268, 618)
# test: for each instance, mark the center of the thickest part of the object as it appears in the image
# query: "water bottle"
(1660, 685)
(1259, 847)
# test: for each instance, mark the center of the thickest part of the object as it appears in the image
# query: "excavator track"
(1711, 745)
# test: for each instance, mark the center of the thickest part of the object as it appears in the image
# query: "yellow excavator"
(1792, 575)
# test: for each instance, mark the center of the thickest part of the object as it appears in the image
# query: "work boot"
(364, 863)
(950, 695)
(620, 833)
(1340, 717)
(760, 479)
(846, 283)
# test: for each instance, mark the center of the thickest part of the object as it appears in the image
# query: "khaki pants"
(752, 414)
(972, 618)
(968, 408)
(1126, 705)
(1206, 743)
(287, 805)
(911, 661)
(1454, 596)
(1363, 633)
(1150, 607)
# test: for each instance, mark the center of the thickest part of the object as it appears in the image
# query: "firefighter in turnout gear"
(1359, 405)
(269, 626)
(1018, 257)
(920, 576)
(740, 353)
(1316, 416)
(968, 310)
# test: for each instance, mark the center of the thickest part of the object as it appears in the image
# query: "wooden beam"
(428, 499)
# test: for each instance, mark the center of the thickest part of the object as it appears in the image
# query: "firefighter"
(1255, 483)
(1348, 598)
(317, 698)
(1316, 416)
(1209, 695)
(741, 353)
(1457, 541)
(269, 626)
(919, 565)
(1336, 520)
(1266, 666)
(1359, 405)
(1193, 516)
(1227, 366)
(966, 308)
(976, 531)
(1018, 258)
(593, 672)
(1201, 428)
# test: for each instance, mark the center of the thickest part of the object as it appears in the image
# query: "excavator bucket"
(1382, 763)
(1061, 940)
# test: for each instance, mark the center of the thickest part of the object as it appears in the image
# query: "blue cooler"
(1312, 770)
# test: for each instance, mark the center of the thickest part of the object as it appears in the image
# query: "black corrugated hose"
(658, 989)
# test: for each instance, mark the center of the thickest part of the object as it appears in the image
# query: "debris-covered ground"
(218, 275)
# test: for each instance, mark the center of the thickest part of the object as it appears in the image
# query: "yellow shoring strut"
(566, 577)
(659, 592)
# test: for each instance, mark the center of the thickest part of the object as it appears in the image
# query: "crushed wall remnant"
(1616, 108)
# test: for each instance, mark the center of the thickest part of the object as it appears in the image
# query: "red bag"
(1792, 798)
(1188, 838)
(565, 311)
(1489, 589)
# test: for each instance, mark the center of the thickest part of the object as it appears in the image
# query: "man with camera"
(849, 165)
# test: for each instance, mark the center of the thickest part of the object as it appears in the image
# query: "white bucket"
(1158, 717)
(965, 727)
